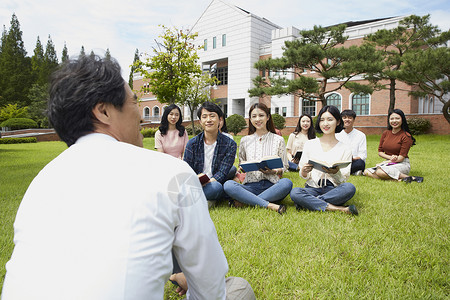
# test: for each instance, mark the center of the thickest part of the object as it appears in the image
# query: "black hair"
(348, 113)
(76, 87)
(311, 131)
(269, 125)
(211, 107)
(334, 111)
(404, 125)
(165, 123)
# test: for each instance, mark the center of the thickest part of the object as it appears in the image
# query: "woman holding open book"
(303, 132)
(325, 188)
(171, 138)
(262, 187)
(394, 146)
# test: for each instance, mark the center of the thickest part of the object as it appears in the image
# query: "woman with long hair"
(394, 146)
(263, 187)
(303, 132)
(171, 138)
(326, 189)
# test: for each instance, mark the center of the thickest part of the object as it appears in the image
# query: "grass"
(397, 248)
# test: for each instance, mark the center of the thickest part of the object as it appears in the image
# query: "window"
(222, 75)
(284, 110)
(360, 104)
(205, 44)
(156, 111)
(224, 40)
(335, 100)
(263, 73)
(146, 113)
(309, 107)
(277, 110)
(214, 42)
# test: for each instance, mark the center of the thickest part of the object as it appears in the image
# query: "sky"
(124, 25)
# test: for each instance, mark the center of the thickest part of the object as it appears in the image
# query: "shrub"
(235, 123)
(197, 129)
(278, 121)
(418, 125)
(13, 111)
(18, 140)
(19, 123)
(149, 132)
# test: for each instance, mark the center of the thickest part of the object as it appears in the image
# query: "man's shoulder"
(359, 132)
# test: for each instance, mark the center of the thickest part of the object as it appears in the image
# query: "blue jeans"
(292, 166)
(258, 193)
(213, 191)
(357, 165)
(318, 198)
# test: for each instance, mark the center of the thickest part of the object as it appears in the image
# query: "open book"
(271, 162)
(317, 164)
(298, 155)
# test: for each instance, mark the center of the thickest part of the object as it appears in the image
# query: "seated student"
(355, 139)
(211, 152)
(394, 146)
(171, 138)
(263, 187)
(326, 189)
(303, 132)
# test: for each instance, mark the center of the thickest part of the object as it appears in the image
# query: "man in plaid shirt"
(211, 153)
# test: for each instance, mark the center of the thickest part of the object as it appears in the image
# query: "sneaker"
(358, 173)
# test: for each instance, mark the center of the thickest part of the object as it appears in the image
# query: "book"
(271, 162)
(317, 164)
(203, 179)
(298, 155)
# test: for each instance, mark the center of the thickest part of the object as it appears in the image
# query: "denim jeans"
(213, 191)
(258, 193)
(357, 165)
(318, 198)
(293, 166)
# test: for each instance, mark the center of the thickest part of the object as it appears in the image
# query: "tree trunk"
(192, 121)
(445, 111)
(391, 95)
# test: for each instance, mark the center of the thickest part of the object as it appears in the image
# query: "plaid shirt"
(223, 159)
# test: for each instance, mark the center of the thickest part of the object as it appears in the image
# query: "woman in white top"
(326, 189)
(171, 138)
(303, 132)
(263, 187)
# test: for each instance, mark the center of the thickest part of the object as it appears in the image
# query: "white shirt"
(254, 147)
(313, 150)
(208, 155)
(100, 222)
(356, 141)
(295, 143)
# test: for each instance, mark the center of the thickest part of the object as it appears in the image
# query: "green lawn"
(397, 248)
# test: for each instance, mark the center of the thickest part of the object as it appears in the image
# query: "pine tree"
(64, 55)
(134, 66)
(50, 59)
(15, 67)
(37, 63)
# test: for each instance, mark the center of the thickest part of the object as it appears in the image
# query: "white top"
(295, 143)
(209, 155)
(313, 150)
(100, 222)
(255, 147)
(356, 141)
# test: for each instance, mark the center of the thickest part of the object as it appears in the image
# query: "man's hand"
(182, 283)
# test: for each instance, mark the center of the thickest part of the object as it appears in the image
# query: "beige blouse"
(295, 143)
(255, 147)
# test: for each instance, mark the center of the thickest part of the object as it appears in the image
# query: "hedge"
(18, 140)
(149, 132)
(19, 123)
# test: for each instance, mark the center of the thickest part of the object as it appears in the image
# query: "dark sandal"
(353, 210)
(282, 209)
(417, 179)
(407, 179)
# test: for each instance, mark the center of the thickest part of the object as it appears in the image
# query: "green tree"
(173, 65)
(38, 96)
(15, 67)
(13, 111)
(320, 50)
(195, 93)
(278, 121)
(64, 55)
(37, 63)
(429, 71)
(50, 58)
(236, 123)
(134, 66)
(413, 33)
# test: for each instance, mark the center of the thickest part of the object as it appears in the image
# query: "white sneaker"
(358, 173)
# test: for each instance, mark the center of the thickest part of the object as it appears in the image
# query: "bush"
(235, 123)
(418, 125)
(197, 129)
(149, 132)
(19, 123)
(18, 140)
(278, 121)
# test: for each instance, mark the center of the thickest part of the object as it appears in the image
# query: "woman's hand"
(393, 158)
(295, 160)
(306, 169)
(268, 171)
(331, 170)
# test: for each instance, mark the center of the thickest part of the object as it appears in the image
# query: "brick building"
(235, 39)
